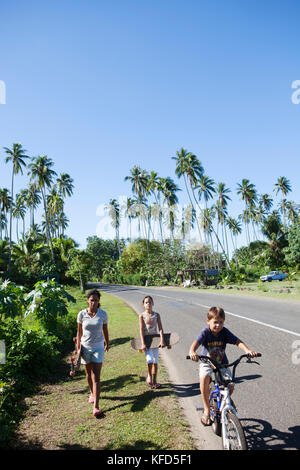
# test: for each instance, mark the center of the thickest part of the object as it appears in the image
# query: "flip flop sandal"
(97, 412)
(207, 419)
(91, 398)
(157, 386)
(149, 384)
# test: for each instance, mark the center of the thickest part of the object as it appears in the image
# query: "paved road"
(267, 396)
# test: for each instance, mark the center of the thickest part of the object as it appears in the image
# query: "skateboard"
(75, 362)
(153, 341)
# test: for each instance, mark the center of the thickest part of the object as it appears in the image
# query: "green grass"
(285, 290)
(60, 417)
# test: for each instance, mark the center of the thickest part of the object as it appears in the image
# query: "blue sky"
(101, 86)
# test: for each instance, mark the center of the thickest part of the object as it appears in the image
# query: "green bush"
(30, 356)
(12, 301)
(48, 302)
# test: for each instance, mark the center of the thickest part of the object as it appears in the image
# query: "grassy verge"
(284, 290)
(60, 417)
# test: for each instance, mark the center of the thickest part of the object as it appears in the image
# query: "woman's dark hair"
(147, 297)
(93, 292)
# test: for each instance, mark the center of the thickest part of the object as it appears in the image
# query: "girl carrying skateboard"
(150, 323)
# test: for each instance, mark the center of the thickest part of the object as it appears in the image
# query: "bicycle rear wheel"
(235, 437)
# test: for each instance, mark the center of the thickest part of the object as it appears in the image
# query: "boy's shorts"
(152, 356)
(92, 355)
(206, 369)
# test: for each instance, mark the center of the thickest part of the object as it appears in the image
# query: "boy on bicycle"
(213, 339)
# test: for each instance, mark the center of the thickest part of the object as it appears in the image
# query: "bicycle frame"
(224, 404)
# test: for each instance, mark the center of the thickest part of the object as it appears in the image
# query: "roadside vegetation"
(54, 407)
(43, 271)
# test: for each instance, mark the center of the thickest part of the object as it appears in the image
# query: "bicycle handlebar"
(217, 366)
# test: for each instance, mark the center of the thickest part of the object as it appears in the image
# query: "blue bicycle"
(223, 412)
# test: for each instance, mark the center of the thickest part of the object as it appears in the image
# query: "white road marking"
(235, 315)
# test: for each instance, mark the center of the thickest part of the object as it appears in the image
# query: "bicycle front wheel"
(234, 437)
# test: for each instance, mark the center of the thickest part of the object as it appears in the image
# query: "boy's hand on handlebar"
(253, 353)
(193, 356)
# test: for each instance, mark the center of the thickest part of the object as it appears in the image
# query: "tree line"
(154, 200)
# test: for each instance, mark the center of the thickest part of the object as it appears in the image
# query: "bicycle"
(223, 412)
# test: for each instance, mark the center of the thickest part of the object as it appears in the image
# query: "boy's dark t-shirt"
(214, 345)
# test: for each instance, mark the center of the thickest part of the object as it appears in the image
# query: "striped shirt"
(92, 334)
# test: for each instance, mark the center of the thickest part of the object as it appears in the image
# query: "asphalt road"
(267, 395)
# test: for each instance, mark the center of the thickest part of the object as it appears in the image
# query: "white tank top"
(150, 323)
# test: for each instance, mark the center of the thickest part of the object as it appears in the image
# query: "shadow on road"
(262, 436)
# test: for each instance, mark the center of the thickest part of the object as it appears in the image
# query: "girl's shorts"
(152, 356)
(92, 355)
(206, 369)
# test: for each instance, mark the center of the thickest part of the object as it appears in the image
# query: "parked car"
(273, 276)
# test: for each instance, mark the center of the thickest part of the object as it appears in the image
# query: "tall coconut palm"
(283, 185)
(17, 157)
(235, 229)
(130, 213)
(139, 181)
(248, 194)
(190, 168)
(293, 212)
(42, 174)
(32, 201)
(113, 208)
(169, 189)
(65, 185)
(19, 212)
(55, 206)
(5, 204)
(265, 201)
(155, 188)
(3, 223)
(206, 187)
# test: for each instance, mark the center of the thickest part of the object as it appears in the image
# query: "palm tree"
(55, 206)
(139, 181)
(5, 204)
(17, 157)
(283, 185)
(3, 223)
(155, 188)
(292, 211)
(42, 174)
(113, 208)
(206, 188)
(169, 190)
(129, 213)
(235, 229)
(266, 202)
(65, 185)
(32, 201)
(248, 194)
(190, 168)
(19, 210)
